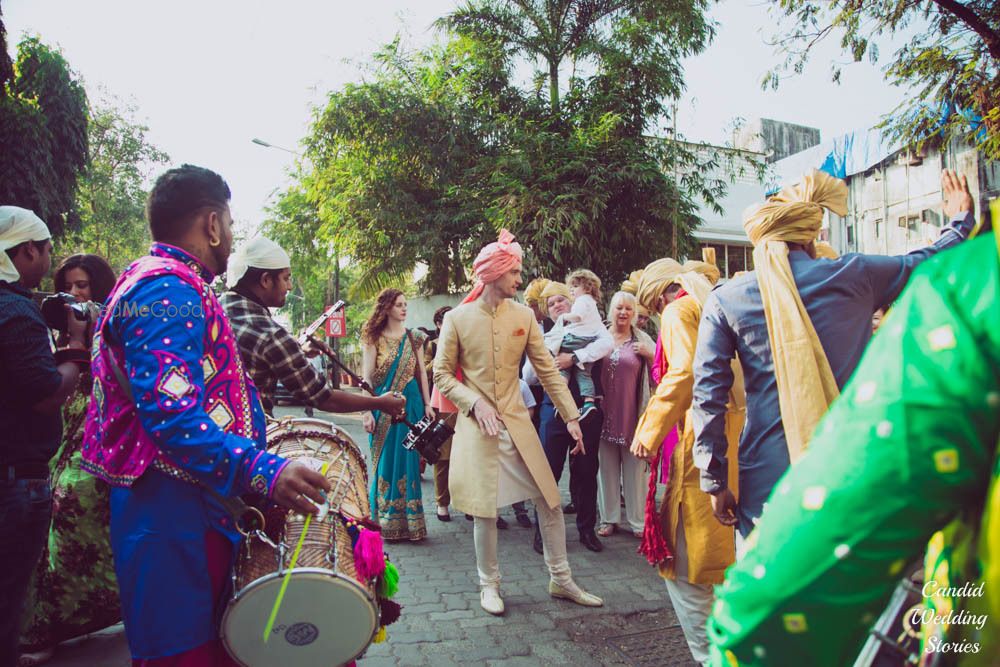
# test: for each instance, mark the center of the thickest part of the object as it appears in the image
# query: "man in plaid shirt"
(259, 277)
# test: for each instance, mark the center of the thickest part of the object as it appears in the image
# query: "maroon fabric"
(219, 555)
(653, 545)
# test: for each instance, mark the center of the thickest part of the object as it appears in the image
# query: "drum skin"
(325, 620)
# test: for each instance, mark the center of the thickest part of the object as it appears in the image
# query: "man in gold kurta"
(702, 547)
(497, 458)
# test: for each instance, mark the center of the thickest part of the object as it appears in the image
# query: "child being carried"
(577, 329)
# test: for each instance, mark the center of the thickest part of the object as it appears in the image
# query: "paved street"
(442, 623)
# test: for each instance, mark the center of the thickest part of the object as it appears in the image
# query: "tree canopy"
(112, 191)
(434, 151)
(395, 158)
(43, 134)
(951, 59)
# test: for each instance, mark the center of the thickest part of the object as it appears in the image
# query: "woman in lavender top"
(625, 379)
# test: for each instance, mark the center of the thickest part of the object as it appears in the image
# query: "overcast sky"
(207, 76)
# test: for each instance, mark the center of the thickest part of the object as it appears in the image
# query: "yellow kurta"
(488, 345)
(710, 545)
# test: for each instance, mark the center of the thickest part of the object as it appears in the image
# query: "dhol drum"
(327, 616)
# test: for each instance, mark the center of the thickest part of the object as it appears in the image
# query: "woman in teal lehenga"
(393, 362)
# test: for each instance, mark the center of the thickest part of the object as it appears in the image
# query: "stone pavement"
(442, 623)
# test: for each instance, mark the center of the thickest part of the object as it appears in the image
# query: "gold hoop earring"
(215, 243)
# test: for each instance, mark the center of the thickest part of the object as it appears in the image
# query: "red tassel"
(369, 557)
(654, 546)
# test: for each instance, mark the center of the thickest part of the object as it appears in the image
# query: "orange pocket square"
(520, 332)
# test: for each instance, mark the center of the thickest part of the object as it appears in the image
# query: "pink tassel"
(369, 558)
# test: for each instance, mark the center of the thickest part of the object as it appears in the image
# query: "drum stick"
(295, 559)
(325, 349)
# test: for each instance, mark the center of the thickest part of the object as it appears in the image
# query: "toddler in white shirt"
(577, 329)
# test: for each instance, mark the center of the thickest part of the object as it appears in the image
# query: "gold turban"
(806, 385)
(533, 292)
(631, 284)
(697, 278)
(710, 271)
(655, 279)
(553, 288)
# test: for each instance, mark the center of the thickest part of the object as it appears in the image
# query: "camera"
(54, 310)
(428, 436)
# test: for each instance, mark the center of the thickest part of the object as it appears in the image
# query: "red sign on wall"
(336, 326)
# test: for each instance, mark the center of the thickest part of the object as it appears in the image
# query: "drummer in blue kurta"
(175, 425)
(840, 295)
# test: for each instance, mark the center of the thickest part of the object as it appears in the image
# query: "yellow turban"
(655, 279)
(631, 284)
(806, 385)
(697, 278)
(710, 271)
(641, 310)
(825, 251)
(553, 288)
(795, 214)
(533, 292)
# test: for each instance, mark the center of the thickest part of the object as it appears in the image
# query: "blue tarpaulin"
(854, 152)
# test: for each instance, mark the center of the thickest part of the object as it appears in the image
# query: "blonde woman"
(625, 381)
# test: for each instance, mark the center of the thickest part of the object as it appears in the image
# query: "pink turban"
(493, 261)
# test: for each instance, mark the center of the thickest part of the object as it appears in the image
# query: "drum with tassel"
(323, 609)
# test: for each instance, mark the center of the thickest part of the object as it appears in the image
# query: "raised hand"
(957, 197)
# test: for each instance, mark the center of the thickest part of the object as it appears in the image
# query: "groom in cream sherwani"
(497, 458)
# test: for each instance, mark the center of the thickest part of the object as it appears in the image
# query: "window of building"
(878, 228)
(850, 235)
(736, 259)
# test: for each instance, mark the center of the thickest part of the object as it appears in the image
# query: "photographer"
(70, 596)
(34, 384)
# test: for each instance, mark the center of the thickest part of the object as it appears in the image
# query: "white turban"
(259, 253)
(17, 225)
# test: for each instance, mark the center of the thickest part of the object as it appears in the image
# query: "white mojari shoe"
(574, 593)
(490, 600)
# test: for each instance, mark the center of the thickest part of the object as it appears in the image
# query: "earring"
(215, 243)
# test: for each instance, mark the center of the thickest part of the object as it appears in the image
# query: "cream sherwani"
(487, 346)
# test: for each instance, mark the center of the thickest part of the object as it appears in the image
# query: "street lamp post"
(336, 254)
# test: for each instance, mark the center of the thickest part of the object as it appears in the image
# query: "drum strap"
(246, 518)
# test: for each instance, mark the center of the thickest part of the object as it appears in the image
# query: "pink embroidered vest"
(116, 448)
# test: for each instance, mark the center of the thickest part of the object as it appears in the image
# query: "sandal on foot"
(607, 529)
